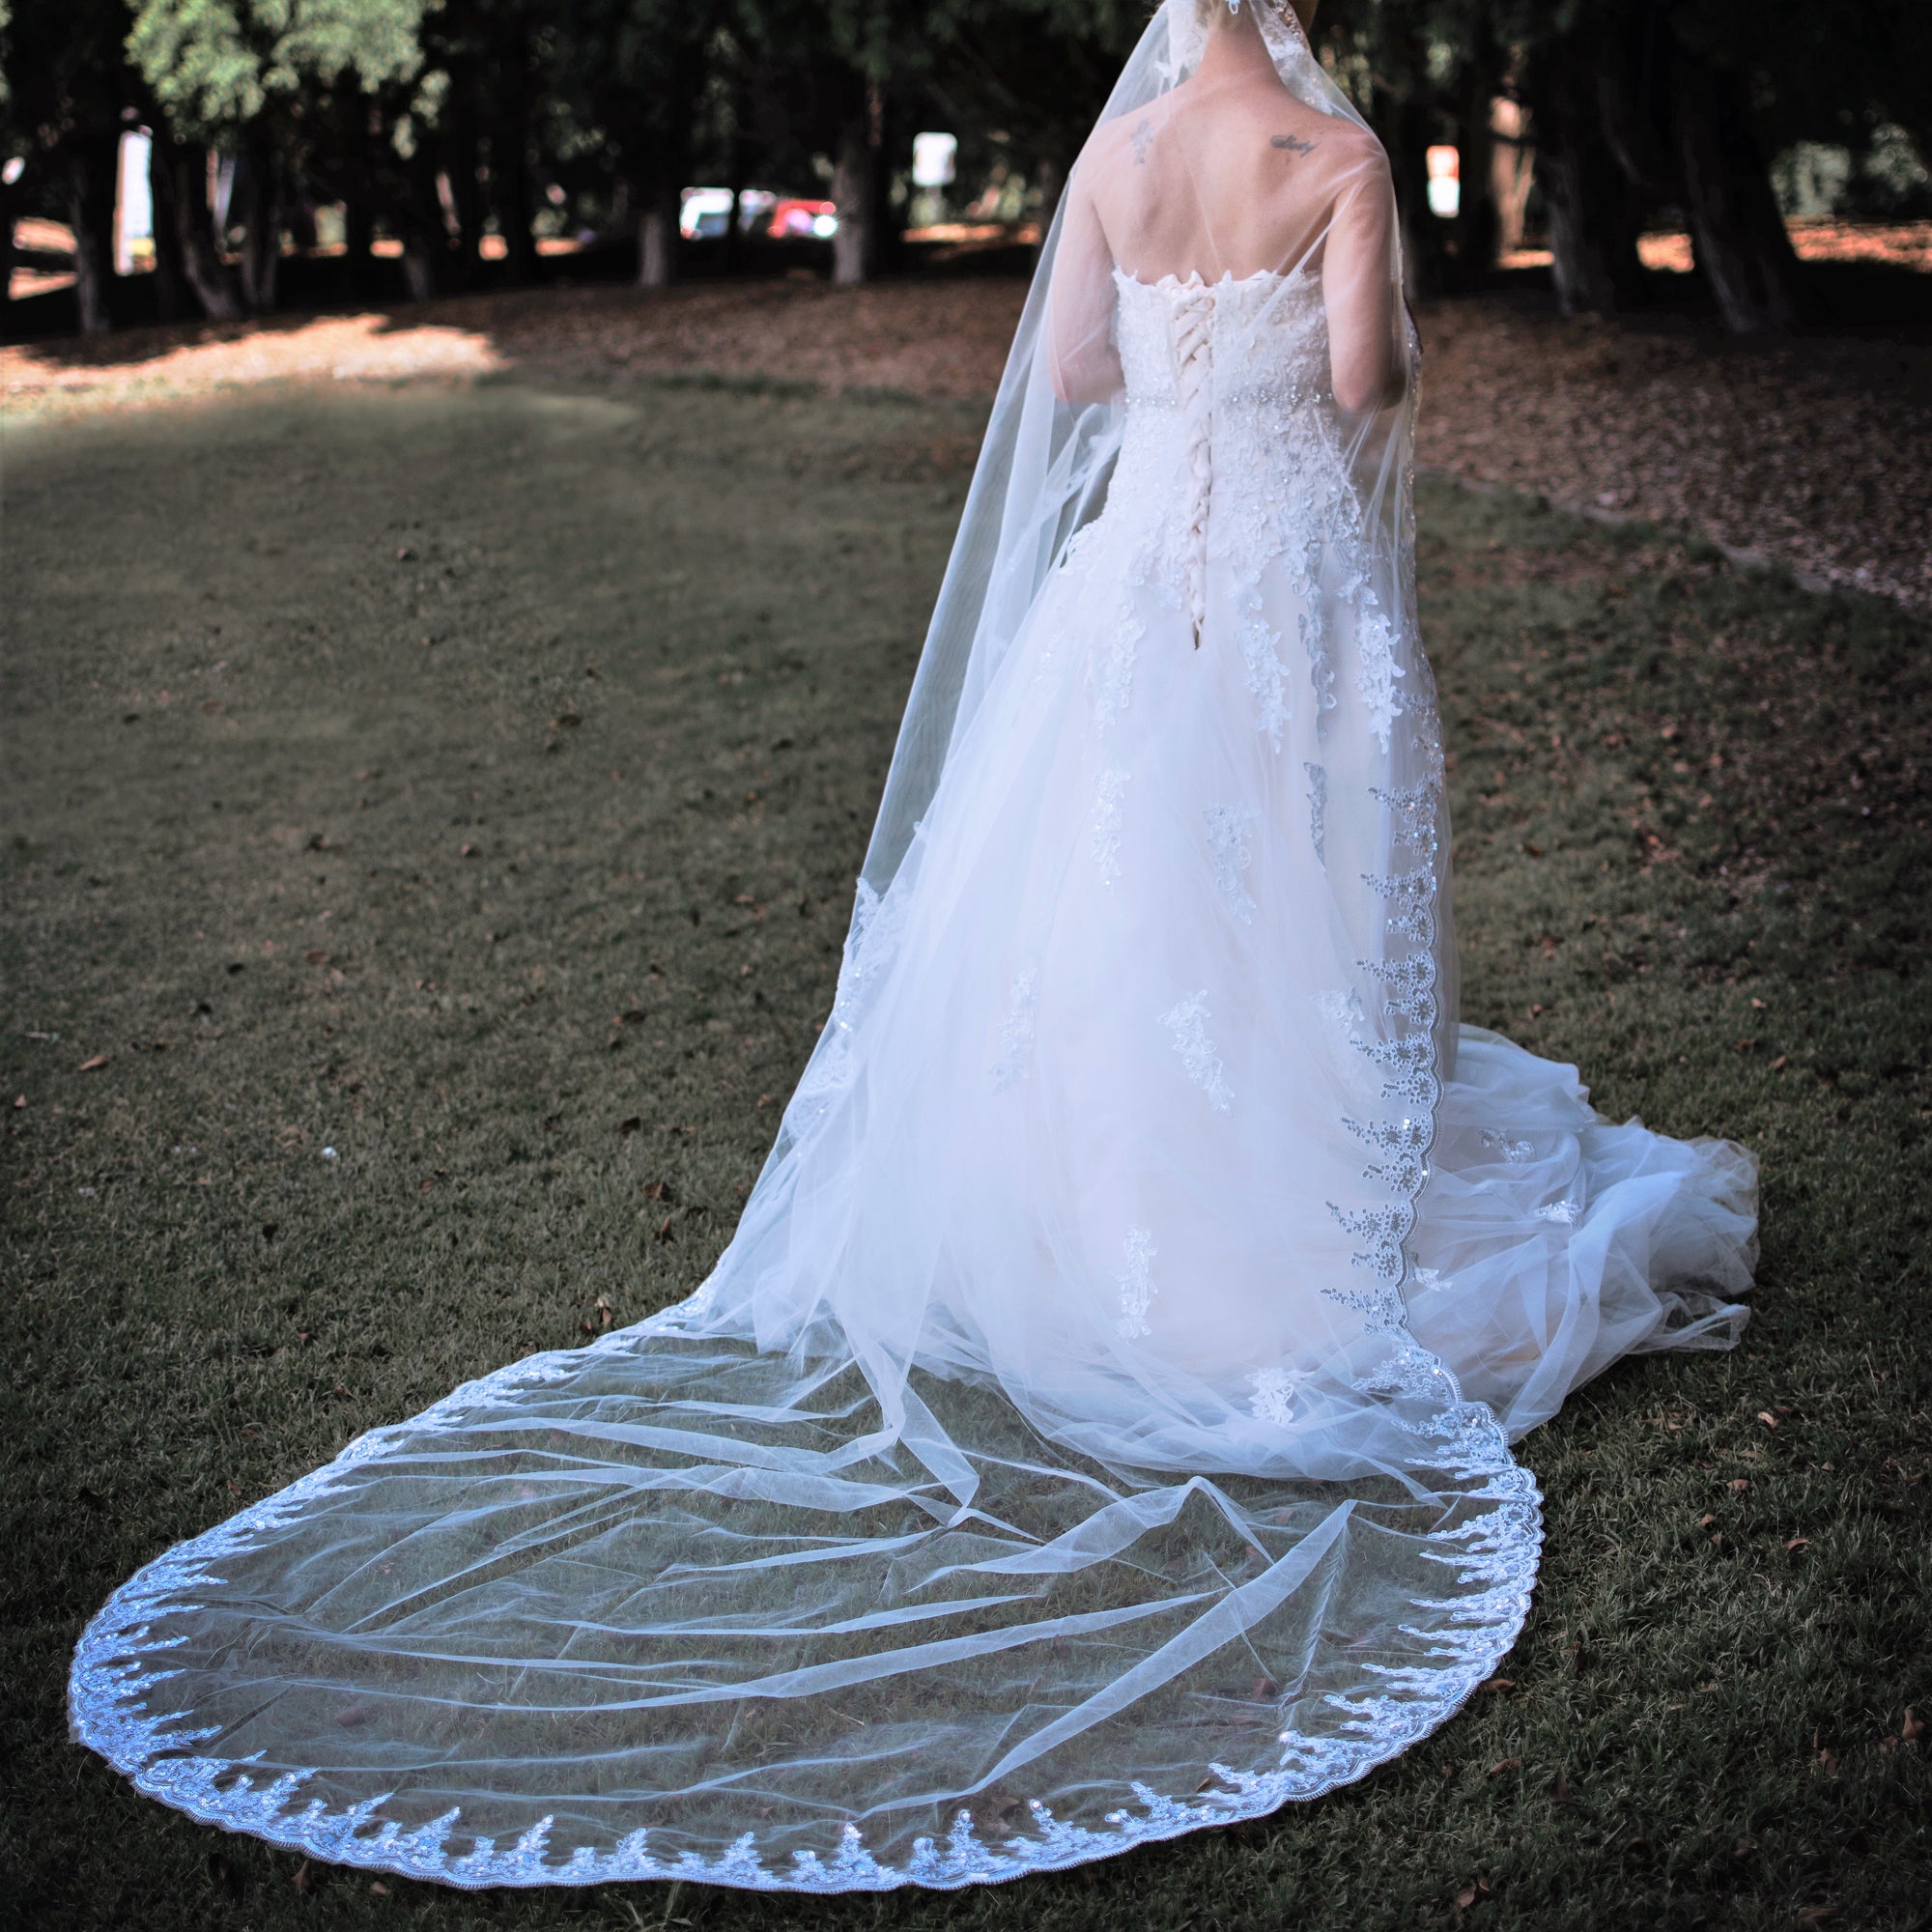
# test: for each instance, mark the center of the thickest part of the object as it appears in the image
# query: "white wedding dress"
(1098, 1427)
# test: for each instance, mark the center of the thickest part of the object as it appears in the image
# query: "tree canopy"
(443, 125)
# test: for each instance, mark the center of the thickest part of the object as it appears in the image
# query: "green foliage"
(216, 64)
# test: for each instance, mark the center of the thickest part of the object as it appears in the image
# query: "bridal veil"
(1053, 1461)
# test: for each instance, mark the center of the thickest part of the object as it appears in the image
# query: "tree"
(247, 75)
(637, 69)
(66, 86)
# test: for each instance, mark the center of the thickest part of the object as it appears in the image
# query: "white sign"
(932, 160)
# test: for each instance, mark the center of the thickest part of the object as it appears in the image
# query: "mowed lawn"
(430, 818)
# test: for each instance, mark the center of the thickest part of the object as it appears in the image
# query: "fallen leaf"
(1913, 1727)
(1473, 1893)
(1816, 1914)
(1765, 1417)
(656, 1190)
(466, 851)
(663, 1229)
(1738, 1485)
(1705, 1521)
(95, 1064)
(631, 1125)
(567, 722)
(301, 1880)
(19, 1101)
(1796, 1544)
(1497, 1683)
(1827, 1762)
(1503, 1764)
(1560, 1792)
(316, 956)
(380, 1890)
(1778, 1064)
(1743, 1849)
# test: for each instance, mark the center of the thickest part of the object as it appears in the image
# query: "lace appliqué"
(1228, 845)
(1276, 1391)
(1377, 671)
(1114, 676)
(1187, 1022)
(1109, 801)
(1321, 667)
(1017, 1031)
(1516, 1153)
(1564, 1213)
(1136, 1280)
(1317, 811)
(1268, 678)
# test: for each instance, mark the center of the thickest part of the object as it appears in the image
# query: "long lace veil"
(926, 1542)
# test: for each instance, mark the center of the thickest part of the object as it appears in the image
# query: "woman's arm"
(1366, 339)
(1082, 360)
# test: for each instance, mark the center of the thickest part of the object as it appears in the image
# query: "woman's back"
(1226, 175)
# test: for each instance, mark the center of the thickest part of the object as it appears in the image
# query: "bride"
(1099, 1426)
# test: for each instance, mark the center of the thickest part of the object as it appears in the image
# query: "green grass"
(471, 782)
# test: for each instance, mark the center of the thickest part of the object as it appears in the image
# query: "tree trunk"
(419, 268)
(173, 298)
(180, 176)
(1742, 246)
(510, 179)
(12, 200)
(462, 171)
(657, 239)
(261, 219)
(359, 232)
(854, 253)
(1425, 235)
(1478, 223)
(91, 164)
(1591, 202)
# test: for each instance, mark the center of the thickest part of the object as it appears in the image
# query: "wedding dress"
(1099, 1425)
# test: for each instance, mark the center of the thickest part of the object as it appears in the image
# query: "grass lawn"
(431, 815)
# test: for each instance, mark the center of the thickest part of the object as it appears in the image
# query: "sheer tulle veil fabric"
(1098, 1427)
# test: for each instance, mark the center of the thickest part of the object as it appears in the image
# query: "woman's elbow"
(1361, 391)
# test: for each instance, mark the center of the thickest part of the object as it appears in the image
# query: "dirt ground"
(1815, 453)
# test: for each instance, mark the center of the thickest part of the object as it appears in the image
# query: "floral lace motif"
(1317, 811)
(1109, 803)
(1187, 1022)
(1377, 671)
(1276, 1391)
(1228, 845)
(1016, 1030)
(1516, 1153)
(1564, 1213)
(1136, 1281)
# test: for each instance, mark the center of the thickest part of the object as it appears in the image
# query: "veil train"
(1098, 1427)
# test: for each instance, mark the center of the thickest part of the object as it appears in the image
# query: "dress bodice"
(1258, 343)
(1231, 446)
